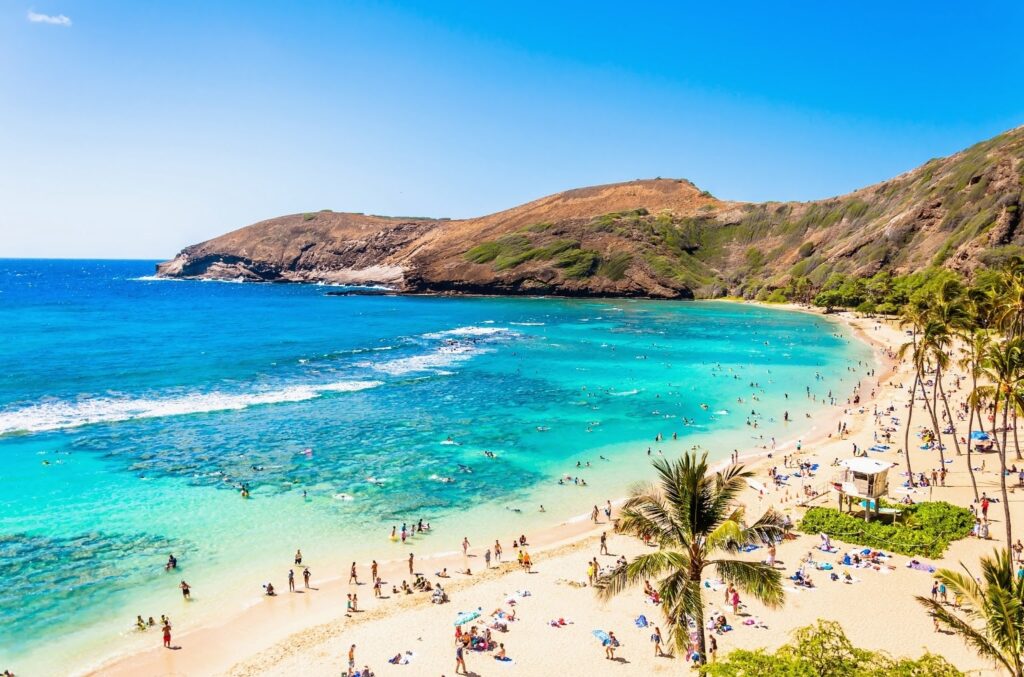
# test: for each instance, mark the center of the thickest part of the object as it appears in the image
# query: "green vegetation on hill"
(923, 529)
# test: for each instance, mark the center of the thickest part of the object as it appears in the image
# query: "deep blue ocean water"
(132, 410)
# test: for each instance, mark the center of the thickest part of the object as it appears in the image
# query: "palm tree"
(976, 337)
(1003, 367)
(992, 616)
(693, 517)
(913, 315)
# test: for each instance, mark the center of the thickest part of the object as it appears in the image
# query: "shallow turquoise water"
(131, 410)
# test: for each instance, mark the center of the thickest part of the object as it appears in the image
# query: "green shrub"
(924, 529)
(615, 267)
(823, 650)
(806, 249)
(577, 263)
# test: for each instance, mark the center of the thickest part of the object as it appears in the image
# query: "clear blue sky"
(131, 129)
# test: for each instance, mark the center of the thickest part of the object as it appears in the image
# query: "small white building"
(863, 479)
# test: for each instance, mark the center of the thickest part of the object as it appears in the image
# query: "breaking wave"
(61, 414)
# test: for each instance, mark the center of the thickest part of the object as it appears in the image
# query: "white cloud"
(58, 20)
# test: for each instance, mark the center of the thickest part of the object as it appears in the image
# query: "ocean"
(132, 410)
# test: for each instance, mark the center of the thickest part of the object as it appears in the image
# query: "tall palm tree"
(1003, 367)
(693, 516)
(975, 338)
(952, 311)
(913, 315)
(992, 616)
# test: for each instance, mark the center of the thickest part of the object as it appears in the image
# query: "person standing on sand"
(487, 558)
(608, 510)
(351, 658)
(610, 645)
(291, 580)
(410, 564)
(656, 638)
(497, 551)
(167, 635)
(373, 570)
(604, 542)
(305, 576)
(460, 660)
(352, 577)
(465, 546)
(298, 557)
(594, 513)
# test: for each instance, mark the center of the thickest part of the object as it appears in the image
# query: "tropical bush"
(924, 529)
(823, 650)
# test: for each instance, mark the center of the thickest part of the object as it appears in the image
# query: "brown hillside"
(658, 238)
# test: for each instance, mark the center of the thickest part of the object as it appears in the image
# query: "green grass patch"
(615, 267)
(924, 529)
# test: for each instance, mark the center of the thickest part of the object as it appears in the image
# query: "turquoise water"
(131, 410)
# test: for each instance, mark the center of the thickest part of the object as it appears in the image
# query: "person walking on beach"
(610, 645)
(604, 542)
(186, 590)
(656, 638)
(497, 550)
(465, 546)
(167, 635)
(460, 660)
(594, 513)
(291, 580)
(410, 563)
(352, 577)
(608, 510)
(351, 658)
(373, 570)
(305, 576)
(376, 587)
(298, 557)
(487, 558)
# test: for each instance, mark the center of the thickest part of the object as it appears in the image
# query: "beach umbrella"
(979, 435)
(466, 616)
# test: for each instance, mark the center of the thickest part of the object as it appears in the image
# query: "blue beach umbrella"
(467, 616)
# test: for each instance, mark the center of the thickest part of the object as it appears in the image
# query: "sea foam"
(60, 414)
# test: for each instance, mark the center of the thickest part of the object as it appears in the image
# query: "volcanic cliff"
(661, 238)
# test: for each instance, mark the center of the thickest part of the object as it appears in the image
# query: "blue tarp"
(979, 435)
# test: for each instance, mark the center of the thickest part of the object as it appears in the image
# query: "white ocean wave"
(528, 324)
(61, 414)
(468, 331)
(446, 356)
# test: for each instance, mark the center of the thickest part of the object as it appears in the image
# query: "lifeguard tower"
(864, 480)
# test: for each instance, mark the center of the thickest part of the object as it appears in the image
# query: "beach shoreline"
(268, 627)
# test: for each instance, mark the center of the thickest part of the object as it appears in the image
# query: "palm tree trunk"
(906, 432)
(970, 427)
(1002, 476)
(935, 422)
(1016, 442)
(949, 415)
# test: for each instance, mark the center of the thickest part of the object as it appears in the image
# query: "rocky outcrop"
(660, 238)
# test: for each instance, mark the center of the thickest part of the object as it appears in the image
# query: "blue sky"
(131, 129)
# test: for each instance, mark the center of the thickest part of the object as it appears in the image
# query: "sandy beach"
(309, 632)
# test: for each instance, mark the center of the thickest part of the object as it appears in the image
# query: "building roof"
(868, 466)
